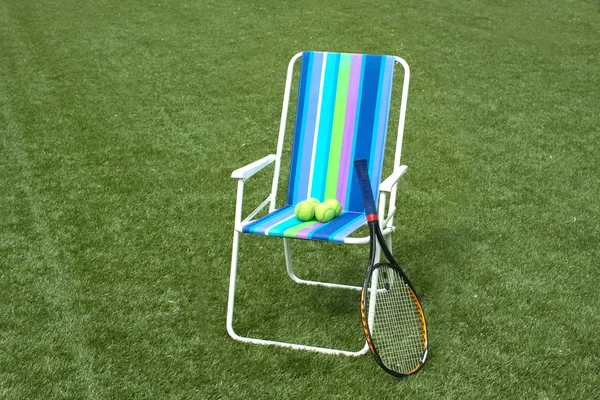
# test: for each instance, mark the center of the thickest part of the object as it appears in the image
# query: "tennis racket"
(392, 317)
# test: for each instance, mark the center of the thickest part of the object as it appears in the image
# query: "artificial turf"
(121, 122)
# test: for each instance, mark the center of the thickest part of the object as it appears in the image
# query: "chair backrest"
(341, 115)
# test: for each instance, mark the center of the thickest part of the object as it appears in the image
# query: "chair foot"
(318, 283)
(295, 346)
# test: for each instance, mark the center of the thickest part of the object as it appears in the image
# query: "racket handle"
(362, 172)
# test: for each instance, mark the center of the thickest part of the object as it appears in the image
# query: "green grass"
(121, 122)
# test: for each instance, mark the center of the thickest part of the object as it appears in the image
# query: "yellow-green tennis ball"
(324, 212)
(314, 201)
(304, 211)
(337, 207)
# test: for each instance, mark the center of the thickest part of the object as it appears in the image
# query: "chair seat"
(283, 223)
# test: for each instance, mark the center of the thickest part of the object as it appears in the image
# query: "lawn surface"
(121, 122)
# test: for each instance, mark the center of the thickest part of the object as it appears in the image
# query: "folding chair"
(342, 114)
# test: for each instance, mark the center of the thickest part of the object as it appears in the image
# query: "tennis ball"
(337, 207)
(304, 211)
(324, 212)
(314, 201)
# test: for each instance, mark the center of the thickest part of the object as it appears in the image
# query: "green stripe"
(337, 132)
(291, 232)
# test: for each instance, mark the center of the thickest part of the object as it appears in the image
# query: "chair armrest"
(250, 169)
(388, 184)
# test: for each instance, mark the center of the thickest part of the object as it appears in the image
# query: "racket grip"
(362, 172)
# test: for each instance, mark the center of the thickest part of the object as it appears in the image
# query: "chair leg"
(232, 278)
(388, 242)
(295, 278)
(234, 335)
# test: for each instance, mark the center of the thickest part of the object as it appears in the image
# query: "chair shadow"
(419, 257)
(439, 252)
(428, 260)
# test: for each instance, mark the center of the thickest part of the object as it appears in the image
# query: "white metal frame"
(387, 187)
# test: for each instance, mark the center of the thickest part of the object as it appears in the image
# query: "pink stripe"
(303, 234)
(348, 140)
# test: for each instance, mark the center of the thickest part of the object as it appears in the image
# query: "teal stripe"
(325, 123)
(260, 225)
(279, 229)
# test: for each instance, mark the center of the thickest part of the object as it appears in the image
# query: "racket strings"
(397, 330)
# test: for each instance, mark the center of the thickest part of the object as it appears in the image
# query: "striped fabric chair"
(342, 113)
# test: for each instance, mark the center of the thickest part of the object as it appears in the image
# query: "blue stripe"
(335, 225)
(375, 129)
(300, 122)
(304, 158)
(364, 138)
(350, 227)
(325, 125)
(381, 115)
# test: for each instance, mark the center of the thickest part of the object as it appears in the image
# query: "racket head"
(393, 320)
